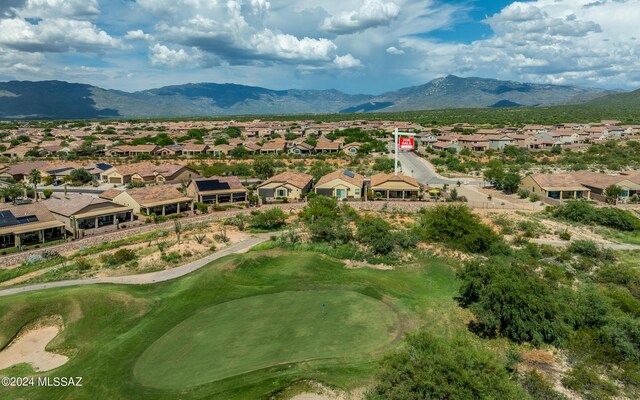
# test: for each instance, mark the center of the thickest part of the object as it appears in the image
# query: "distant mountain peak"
(63, 100)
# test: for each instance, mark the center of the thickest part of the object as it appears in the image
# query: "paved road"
(152, 277)
(424, 172)
(613, 246)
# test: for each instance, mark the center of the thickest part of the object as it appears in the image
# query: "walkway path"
(152, 277)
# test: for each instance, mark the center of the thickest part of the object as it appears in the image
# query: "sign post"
(406, 143)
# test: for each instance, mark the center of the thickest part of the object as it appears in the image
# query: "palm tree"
(35, 177)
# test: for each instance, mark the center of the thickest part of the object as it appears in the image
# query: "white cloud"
(394, 50)
(545, 41)
(54, 35)
(138, 34)
(346, 61)
(161, 55)
(371, 14)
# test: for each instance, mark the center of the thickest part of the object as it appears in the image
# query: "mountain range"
(64, 100)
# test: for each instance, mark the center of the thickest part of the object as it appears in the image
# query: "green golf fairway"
(258, 332)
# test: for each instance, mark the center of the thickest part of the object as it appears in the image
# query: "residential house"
(395, 187)
(81, 213)
(341, 184)
(218, 190)
(300, 148)
(327, 146)
(287, 185)
(20, 172)
(274, 147)
(159, 200)
(193, 150)
(474, 143)
(597, 183)
(131, 151)
(499, 142)
(164, 173)
(221, 149)
(28, 224)
(555, 186)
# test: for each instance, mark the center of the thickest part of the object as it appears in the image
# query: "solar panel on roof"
(7, 219)
(103, 166)
(349, 174)
(27, 219)
(211, 185)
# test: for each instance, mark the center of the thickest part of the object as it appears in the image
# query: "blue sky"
(357, 46)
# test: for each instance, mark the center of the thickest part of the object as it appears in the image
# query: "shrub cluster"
(583, 212)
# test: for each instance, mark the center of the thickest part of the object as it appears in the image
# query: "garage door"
(114, 180)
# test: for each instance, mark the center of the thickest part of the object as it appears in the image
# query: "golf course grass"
(261, 331)
(245, 327)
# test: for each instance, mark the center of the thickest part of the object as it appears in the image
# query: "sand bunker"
(29, 347)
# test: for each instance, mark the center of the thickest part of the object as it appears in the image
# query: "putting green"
(258, 332)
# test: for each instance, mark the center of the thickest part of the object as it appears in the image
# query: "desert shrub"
(539, 388)
(523, 193)
(33, 259)
(533, 197)
(271, 219)
(583, 212)
(585, 380)
(49, 254)
(239, 221)
(590, 249)
(119, 257)
(82, 264)
(515, 302)
(376, 233)
(47, 193)
(459, 228)
(173, 257)
(432, 368)
(565, 235)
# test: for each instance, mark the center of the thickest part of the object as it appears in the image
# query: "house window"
(357, 192)
(281, 193)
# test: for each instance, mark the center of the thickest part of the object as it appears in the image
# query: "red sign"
(406, 143)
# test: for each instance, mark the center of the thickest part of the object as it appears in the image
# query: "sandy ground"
(29, 347)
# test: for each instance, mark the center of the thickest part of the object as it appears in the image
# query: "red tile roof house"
(291, 186)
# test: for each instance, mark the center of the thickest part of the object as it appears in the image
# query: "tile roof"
(351, 177)
(296, 179)
(156, 194)
(567, 181)
(72, 204)
(379, 179)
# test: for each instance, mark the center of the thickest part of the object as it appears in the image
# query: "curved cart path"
(152, 277)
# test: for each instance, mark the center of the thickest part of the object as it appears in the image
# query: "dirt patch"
(30, 343)
(318, 391)
(351, 264)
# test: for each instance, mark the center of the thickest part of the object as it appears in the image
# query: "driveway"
(152, 277)
(424, 172)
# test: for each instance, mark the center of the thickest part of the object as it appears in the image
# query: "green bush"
(515, 302)
(459, 228)
(539, 388)
(119, 257)
(432, 368)
(590, 249)
(583, 212)
(173, 257)
(271, 219)
(376, 233)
